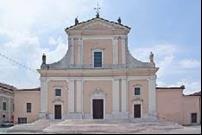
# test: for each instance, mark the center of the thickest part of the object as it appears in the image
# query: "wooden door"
(58, 112)
(137, 111)
(194, 118)
(98, 109)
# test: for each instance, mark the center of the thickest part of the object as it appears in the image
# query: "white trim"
(72, 51)
(79, 96)
(79, 52)
(82, 98)
(124, 93)
(96, 37)
(115, 51)
(43, 97)
(62, 110)
(129, 78)
(57, 87)
(123, 51)
(99, 95)
(86, 37)
(92, 56)
(141, 107)
(78, 78)
(152, 96)
(82, 51)
(115, 95)
(71, 97)
(137, 86)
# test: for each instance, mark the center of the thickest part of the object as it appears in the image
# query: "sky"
(171, 29)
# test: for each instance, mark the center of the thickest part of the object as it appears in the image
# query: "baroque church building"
(98, 78)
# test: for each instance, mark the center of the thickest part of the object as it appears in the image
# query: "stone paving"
(103, 127)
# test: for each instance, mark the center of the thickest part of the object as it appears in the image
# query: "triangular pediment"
(98, 24)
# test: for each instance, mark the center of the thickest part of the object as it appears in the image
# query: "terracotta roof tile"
(196, 94)
(8, 87)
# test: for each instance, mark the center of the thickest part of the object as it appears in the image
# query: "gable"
(98, 24)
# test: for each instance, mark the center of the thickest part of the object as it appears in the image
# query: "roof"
(97, 18)
(181, 87)
(7, 87)
(195, 94)
(33, 89)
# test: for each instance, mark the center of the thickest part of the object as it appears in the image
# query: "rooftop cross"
(97, 10)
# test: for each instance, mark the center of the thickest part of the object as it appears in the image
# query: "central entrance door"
(58, 112)
(98, 108)
(137, 111)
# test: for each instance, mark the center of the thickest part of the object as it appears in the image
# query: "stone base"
(43, 115)
(120, 115)
(113, 116)
(74, 116)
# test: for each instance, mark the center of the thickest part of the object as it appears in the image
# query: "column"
(81, 44)
(72, 50)
(79, 96)
(9, 108)
(43, 97)
(115, 50)
(79, 53)
(71, 97)
(115, 96)
(123, 50)
(124, 95)
(152, 96)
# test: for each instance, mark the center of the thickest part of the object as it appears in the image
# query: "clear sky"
(169, 28)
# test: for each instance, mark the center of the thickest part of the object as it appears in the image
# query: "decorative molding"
(98, 92)
(137, 99)
(58, 99)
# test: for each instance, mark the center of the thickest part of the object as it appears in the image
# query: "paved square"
(98, 127)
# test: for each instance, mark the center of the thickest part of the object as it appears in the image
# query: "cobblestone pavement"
(102, 127)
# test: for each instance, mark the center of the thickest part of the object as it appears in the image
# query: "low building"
(27, 105)
(6, 103)
(173, 105)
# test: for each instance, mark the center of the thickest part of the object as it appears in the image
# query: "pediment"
(97, 24)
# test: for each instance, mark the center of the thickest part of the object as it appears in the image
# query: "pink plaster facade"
(103, 44)
(90, 87)
(143, 97)
(55, 100)
(21, 98)
(172, 105)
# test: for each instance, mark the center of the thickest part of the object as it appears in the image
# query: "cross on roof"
(97, 10)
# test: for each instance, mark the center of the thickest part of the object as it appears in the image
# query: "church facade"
(98, 78)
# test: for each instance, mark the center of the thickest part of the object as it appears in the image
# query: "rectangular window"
(193, 117)
(57, 92)
(97, 59)
(22, 120)
(137, 91)
(29, 107)
(4, 106)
